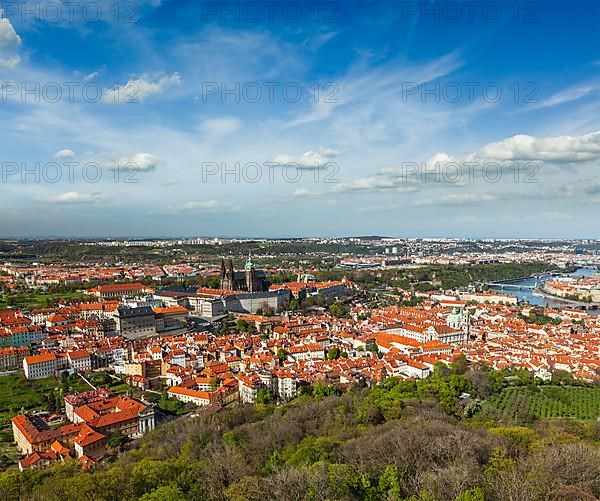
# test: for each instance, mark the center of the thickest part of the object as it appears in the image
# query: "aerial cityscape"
(300, 250)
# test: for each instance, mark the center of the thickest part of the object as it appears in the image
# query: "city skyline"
(299, 249)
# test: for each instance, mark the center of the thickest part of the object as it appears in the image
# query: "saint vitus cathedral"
(249, 280)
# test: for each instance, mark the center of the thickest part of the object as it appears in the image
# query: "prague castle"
(249, 280)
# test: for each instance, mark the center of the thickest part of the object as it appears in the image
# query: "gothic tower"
(227, 276)
(222, 274)
(250, 281)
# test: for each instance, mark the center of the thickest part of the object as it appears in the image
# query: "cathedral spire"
(249, 264)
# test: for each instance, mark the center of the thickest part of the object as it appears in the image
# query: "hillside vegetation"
(401, 440)
(528, 403)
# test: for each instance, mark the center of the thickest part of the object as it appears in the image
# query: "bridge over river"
(513, 284)
(524, 283)
(530, 289)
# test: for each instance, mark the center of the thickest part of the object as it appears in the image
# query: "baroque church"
(249, 280)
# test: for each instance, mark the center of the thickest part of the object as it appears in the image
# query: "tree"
(473, 494)
(58, 402)
(338, 310)
(264, 396)
(243, 325)
(372, 347)
(149, 474)
(563, 378)
(390, 483)
(334, 353)
(282, 355)
(499, 461)
(440, 369)
(214, 383)
(460, 364)
(371, 415)
(485, 382)
(320, 391)
(116, 440)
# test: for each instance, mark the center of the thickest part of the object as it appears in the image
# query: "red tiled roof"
(121, 287)
(88, 436)
(74, 355)
(37, 359)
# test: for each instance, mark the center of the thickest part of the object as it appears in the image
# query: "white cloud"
(73, 197)
(374, 184)
(456, 199)
(138, 89)
(91, 76)
(309, 159)
(63, 154)
(8, 36)
(586, 191)
(9, 42)
(142, 162)
(558, 149)
(206, 206)
(306, 193)
(439, 158)
(220, 126)
(456, 171)
(9, 62)
(520, 148)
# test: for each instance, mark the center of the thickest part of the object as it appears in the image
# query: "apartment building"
(12, 358)
(117, 291)
(135, 323)
(40, 366)
(80, 361)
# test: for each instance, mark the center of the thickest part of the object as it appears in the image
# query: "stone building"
(249, 280)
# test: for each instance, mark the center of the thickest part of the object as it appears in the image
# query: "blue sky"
(164, 118)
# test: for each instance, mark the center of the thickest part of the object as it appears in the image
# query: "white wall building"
(40, 366)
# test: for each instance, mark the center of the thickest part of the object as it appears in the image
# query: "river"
(531, 296)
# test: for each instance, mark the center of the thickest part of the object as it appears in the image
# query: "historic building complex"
(249, 280)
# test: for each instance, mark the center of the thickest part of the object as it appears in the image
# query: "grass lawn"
(100, 380)
(18, 393)
(36, 299)
(120, 389)
(9, 454)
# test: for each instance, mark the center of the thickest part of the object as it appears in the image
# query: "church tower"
(227, 276)
(250, 281)
(222, 274)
